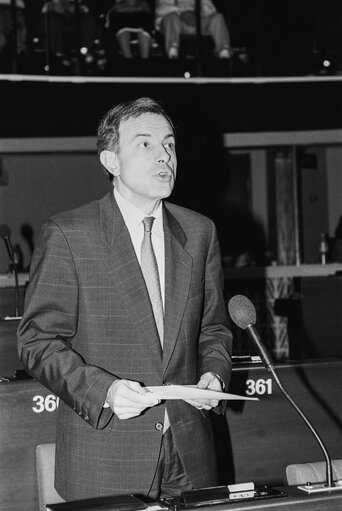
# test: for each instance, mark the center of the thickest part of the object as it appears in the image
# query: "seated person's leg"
(55, 25)
(124, 39)
(215, 26)
(5, 26)
(144, 44)
(171, 29)
(22, 31)
(89, 30)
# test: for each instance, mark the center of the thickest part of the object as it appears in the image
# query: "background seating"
(45, 466)
(301, 473)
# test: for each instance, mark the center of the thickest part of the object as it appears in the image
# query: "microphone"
(243, 313)
(5, 234)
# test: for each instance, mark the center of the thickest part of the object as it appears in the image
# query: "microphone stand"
(16, 284)
(270, 367)
(14, 271)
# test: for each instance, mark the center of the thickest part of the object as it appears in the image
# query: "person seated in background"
(6, 25)
(176, 17)
(67, 29)
(131, 17)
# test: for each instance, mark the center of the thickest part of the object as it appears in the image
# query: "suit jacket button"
(159, 426)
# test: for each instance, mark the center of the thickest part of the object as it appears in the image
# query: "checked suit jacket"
(88, 320)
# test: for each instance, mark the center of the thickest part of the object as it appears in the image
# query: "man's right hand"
(128, 398)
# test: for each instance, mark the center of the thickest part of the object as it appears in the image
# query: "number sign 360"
(45, 404)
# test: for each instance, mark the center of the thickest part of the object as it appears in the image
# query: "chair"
(45, 466)
(301, 473)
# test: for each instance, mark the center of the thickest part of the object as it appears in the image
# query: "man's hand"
(128, 398)
(207, 381)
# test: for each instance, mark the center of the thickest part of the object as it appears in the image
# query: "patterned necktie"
(150, 271)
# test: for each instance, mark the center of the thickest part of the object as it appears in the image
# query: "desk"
(255, 440)
(268, 435)
(264, 285)
(294, 501)
(9, 360)
(27, 418)
(7, 293)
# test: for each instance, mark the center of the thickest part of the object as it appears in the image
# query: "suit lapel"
(123, 267)
(178, 267)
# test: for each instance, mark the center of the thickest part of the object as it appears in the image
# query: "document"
(193, 392)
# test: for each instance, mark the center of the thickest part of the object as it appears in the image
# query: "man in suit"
(106, 316)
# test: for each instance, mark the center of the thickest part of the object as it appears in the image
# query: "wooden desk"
(27, 418)
(265, 285)
(255, 440)
(7, 293)
(295, 500)
(268, 435)
(9, 360)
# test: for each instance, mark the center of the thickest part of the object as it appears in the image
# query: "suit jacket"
(88, 320)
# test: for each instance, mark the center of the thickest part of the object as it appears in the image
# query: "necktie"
(150, 271)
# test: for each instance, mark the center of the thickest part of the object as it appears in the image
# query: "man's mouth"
(165, 175)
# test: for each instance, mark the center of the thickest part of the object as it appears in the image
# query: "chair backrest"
(45, 466)
(301, 473)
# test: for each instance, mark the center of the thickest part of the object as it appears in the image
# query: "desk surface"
(7, 279)
(295, 500)
(256, 440)
(283, 271)
(300, 270)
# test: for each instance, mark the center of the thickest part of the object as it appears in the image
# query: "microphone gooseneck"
(243, 313)
(5, 234)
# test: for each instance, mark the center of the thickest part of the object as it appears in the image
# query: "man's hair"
(108, 130)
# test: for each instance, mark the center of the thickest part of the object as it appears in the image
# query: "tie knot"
(148, 222)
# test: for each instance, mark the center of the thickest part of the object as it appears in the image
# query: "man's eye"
(143, 144)
(170, 145)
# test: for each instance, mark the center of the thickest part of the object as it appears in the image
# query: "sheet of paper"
(192, 392)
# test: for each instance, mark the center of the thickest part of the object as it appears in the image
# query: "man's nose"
(163, 156)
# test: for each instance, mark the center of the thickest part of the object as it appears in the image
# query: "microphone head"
(5, 231)
(242, 311)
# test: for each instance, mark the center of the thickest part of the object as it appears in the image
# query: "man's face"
(146, 162)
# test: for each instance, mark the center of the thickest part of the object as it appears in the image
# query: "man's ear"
(110, 162)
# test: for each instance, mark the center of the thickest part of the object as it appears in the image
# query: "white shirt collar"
(133, 216)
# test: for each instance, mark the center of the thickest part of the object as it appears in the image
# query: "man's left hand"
(207, 381)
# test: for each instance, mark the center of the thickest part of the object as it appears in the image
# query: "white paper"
(193, 392)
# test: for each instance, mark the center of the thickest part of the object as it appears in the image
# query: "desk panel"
(9, 360)
(27, 418)
(294, 500)
(7, 300)
(268, 435)
(255, 440)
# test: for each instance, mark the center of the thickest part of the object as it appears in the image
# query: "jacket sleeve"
(49, 323)
(215, 341)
